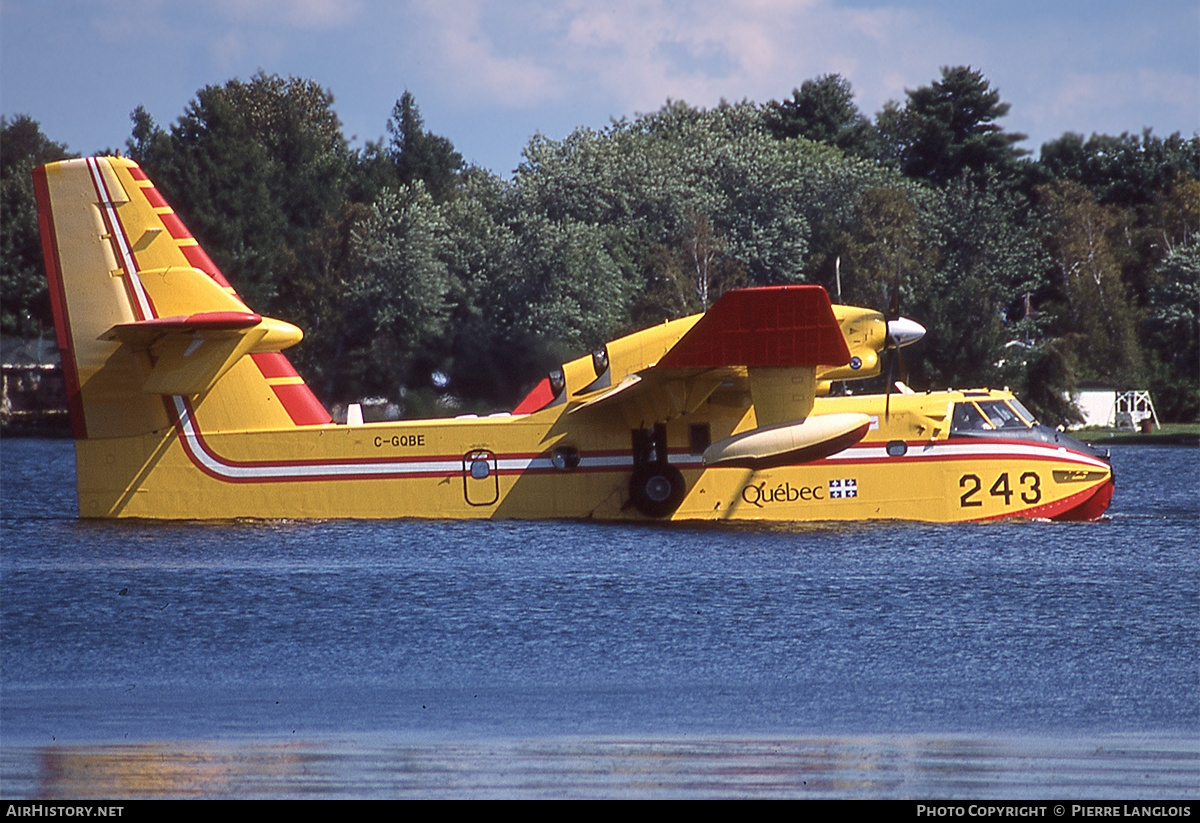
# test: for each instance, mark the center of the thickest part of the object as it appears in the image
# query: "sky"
(491, 74)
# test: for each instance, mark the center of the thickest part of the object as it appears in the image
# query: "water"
(432, 659)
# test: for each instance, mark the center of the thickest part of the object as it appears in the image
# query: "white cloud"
(471, 66)
(587, 61)
(317, 15)
(634, 55)
(481, 66)
(1106, 99)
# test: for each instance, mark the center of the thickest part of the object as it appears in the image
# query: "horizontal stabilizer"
(143, 333)
(789, 443)
(188, 354)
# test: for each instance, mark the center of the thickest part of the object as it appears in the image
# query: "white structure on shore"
(1115, 409)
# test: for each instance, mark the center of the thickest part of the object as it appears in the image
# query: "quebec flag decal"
(839, 489)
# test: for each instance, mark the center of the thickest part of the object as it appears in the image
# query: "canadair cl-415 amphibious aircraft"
(183, 406)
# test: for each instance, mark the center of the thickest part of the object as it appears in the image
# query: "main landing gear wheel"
(656, 489)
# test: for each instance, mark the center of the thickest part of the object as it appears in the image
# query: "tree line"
(445, 287)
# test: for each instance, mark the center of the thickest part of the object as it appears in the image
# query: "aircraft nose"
(905, 331)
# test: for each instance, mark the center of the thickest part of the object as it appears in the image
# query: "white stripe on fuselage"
(125, 252)
(348, 469)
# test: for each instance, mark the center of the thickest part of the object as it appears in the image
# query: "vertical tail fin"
(142, 314)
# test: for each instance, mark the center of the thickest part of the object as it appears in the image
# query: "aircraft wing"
(770, 327)
(771, 337)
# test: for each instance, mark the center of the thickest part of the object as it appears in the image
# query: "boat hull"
(421, 469)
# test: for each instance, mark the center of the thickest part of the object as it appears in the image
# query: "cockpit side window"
(967, 417)
(1001, 415)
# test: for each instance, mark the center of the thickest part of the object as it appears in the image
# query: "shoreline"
(1186, 437)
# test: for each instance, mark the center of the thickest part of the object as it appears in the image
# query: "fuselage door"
(481, 481)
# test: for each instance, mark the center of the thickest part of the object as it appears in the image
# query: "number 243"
(1030, 488)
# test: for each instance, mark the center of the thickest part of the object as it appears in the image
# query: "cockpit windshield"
(1024, 412)
(988, 415)
(982, 416)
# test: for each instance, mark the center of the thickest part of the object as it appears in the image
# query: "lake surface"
(435, 659)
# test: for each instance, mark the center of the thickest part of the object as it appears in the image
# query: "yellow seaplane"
(183, 406)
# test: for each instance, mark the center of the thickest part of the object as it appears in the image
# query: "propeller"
(890, 347)
(900, 332)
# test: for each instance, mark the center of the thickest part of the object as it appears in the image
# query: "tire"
(657, 489)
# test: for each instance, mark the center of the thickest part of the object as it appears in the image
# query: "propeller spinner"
(902, 331)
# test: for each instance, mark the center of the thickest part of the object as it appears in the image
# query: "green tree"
(418, 154)
(1099, 317)
(252, 168)
(656, 181)
(823, 110)
(889, 246)
(1128, 171)
(1173, 334)
(24, 301)
(976, 303)
(400, 294)
(490, 355)
(758, 209)
(949, 129)
(315, 282)
(1050, 373)
(571, 287)
(691, 271)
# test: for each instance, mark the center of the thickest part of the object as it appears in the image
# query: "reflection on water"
(897, 767)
